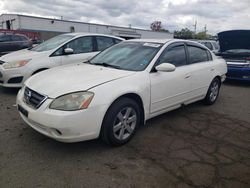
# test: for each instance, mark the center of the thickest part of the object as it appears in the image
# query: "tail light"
(248, 60)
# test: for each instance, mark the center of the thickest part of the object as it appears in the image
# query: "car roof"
(162, 41)
(81, 34)
(206, 41)
(11, 34)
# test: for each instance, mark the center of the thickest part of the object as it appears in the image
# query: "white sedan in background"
(64, 49)
(119, 89)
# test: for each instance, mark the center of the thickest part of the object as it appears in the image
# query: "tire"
(120, 122)
(213, 92)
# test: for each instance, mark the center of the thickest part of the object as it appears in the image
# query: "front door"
(170, 89)
(83, 50)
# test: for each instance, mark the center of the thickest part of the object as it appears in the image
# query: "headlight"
(73, 101)
(15, 64)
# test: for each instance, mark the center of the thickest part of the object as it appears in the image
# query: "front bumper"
(238, 73)
(6, 75)
(64, 126)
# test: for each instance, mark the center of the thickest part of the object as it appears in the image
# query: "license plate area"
(22, 110)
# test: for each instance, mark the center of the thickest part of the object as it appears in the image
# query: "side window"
(103, 43)
(117, 41)
(208, 45)
(175, 55)
(58, 52)
(23, 38)
(81, 45)
(197, 55)
(5, 38)
(16, 38)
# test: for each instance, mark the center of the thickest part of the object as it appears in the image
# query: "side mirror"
(165, 67)
(68, 51)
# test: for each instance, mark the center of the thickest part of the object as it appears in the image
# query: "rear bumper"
(238, 73)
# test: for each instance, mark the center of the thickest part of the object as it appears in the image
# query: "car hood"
(78, 77)
(23, 55)
(234, 39)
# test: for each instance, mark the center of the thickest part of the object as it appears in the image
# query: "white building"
(48, 27)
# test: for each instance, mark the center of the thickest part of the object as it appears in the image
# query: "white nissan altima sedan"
(119, 89)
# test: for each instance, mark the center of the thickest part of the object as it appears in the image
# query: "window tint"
(58, 52)
(197, 54)
(16, 38)
(23, 38)
(208, 45)
(81, 45)
(5, 38)
(104, 42)
(175, 55)
(117, 41)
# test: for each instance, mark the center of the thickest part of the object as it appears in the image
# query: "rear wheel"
(213, 92)
(120, 122)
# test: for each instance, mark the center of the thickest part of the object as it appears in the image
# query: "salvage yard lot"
(193, 146)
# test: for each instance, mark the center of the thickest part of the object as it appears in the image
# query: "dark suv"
(13, 42)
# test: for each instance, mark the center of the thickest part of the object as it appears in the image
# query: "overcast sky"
(218, 15)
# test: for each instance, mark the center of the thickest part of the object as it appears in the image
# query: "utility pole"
(195, 26)
(205, 29)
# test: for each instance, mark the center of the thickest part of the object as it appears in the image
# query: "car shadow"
(237, 83)
(10, 91)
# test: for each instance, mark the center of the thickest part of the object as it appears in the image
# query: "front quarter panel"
(137, 83)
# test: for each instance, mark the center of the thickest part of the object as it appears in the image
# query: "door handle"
(187, 76)
(212, 69)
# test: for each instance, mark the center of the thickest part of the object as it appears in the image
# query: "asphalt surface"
(194, 146)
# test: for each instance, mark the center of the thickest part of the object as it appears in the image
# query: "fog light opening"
(58, 132)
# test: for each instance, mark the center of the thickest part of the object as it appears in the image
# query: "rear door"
(17, 42)
(170, 89)
(201, 64)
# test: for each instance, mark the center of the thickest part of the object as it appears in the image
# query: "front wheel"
(120, 122)
(213, 92)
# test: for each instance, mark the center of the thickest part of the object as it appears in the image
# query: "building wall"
(13, 19)
(54, 26)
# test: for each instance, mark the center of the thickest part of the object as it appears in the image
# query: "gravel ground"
(194, 146)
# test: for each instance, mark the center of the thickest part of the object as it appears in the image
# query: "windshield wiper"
(88, 62)
(107, 65)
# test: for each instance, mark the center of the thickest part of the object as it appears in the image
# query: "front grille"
(1, 62)
(32, 98)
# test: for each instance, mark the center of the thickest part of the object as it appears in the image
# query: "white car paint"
(159, 92)
(213, 45)
(42, 60)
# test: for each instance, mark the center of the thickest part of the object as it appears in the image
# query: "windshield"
(134, 56)
(52, 43)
